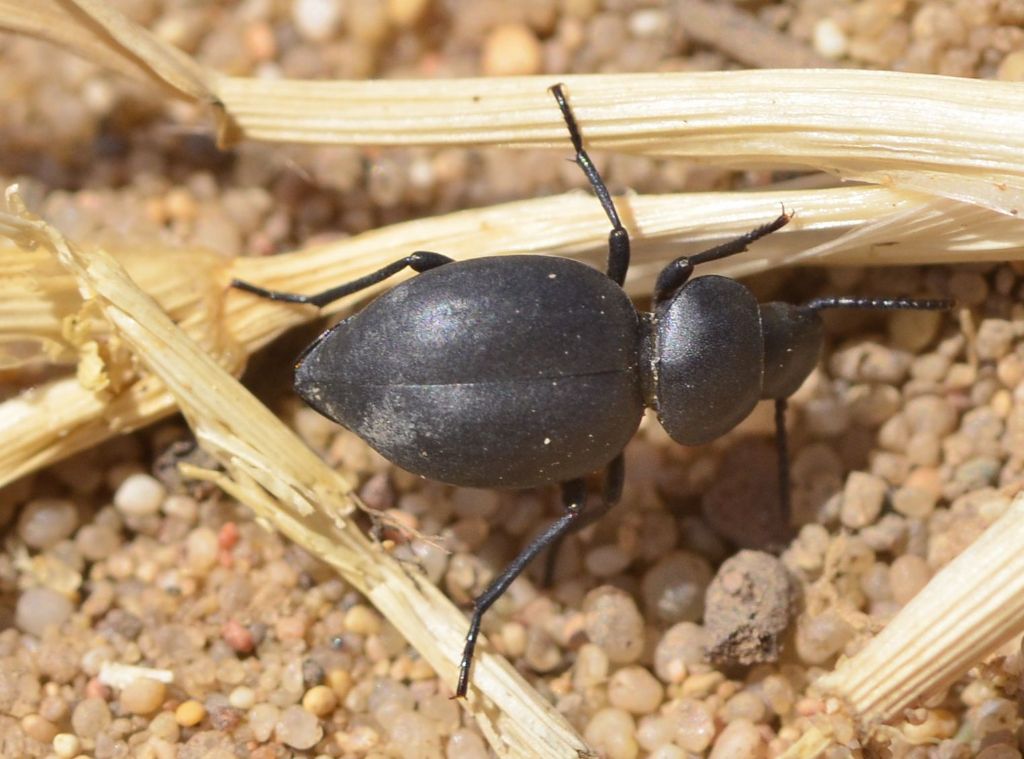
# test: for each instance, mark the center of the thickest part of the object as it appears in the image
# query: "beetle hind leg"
(577, 515)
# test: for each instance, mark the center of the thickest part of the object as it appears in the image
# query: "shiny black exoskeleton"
(520, 371)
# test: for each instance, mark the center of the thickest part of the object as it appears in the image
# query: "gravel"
(899, 442)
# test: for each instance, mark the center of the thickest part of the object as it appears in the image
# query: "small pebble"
(829, 39)
(139, 495)
(298, 728)
(317, 20)
(143, 696)
(406, 13)
(189, 713)
(340, 681)
(514, 638)
(994, 339)
(201, 550)
(165, 726)
(45, 522)
(613, 622)
(655, 730)
(673, 589)
(465, 744)
(362, 620)
(511, 50)
(90, 717)
(319, 700)
(38, 728)
(66, 745)
(291, 627)
(821, 637)
(227, 536)
(591, 667)
(97, 542)
(744, 705)
(1011, 68)
(968, 287)
(415, 736)
(40, 608)
(612, 733)
(863, 497)
(242, 697)
(907, 575)
(606, 561)
(262, 719)
(442, 711)
(237, 636)
(681, 649)
(182, 507)
(695, 725)
(913, 502)
(635, 690)
(312, 673)
(739, 740)
(778, 693)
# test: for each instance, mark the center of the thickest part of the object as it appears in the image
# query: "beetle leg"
(618, 238)
(674, 275)
(820, 304)
(420, 261)
(782, 452)
(613, 479)
(576, 516)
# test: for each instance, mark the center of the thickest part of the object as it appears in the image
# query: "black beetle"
(520, 371)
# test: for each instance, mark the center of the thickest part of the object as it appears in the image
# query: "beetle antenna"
(618, 239)
(851, 301)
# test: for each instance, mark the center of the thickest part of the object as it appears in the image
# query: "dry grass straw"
(946, 152)
(41, 306)
(958, 138)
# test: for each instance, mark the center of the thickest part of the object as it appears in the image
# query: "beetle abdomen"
(498, 372)
(515, 434)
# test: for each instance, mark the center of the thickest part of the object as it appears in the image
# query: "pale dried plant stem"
(838, 226)
(270, 469)
(967, 611)
(954, 137)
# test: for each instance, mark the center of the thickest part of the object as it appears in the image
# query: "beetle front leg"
(673, 276)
